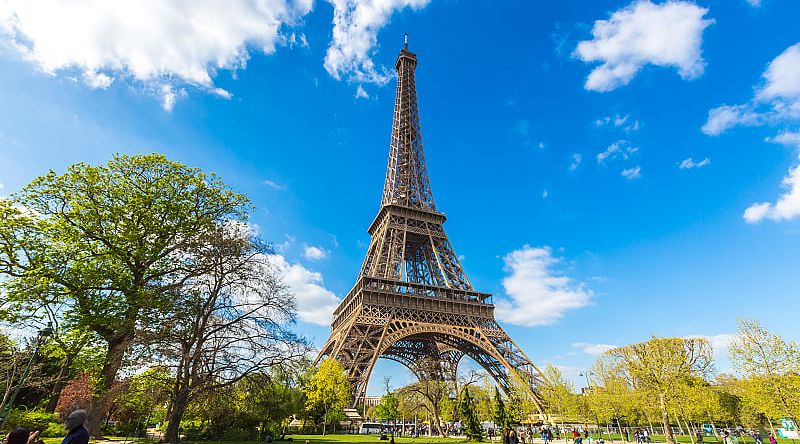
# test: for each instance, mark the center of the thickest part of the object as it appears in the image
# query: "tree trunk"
(665, 420)
(179, 404)
(117, 346)
(61, 381)
(438, 422)
(325, 423)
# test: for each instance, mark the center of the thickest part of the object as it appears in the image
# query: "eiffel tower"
(412, 302)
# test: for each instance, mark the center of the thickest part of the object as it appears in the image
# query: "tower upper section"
(407, 181)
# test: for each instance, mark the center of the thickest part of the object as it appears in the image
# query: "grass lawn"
(317, 439)
(331, 439)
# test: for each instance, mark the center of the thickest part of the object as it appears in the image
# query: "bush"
(36, 419)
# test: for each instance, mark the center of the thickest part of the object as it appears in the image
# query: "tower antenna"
(405, 43)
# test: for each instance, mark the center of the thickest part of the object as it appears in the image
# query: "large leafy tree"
(772, 365)
(328, 392)
(112, 242)
(661, 367)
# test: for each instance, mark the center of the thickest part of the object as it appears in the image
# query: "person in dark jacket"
(77, 432)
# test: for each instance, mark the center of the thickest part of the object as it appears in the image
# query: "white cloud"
(315, 303)
(777, 98)
(536, 293)
(274, 185)
(689, 163)
(618, 121)
(754, 3)
(361, 93)
(355, 29)
(593, 349)
(314, 253)
(668, 35)
(2, 187)
(620, 148)
(632, 173)
(776, 101)
(545, 193)
(725, 117)
(785, 208)
(151, 42)
(576, 161)
(718, 342)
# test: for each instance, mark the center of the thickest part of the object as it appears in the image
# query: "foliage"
(471, 425)
(35, 419)
(110, 243)
(77, 394)
(499, 416)
(662, 366)
(328, 392)
(388, 407)
(229, 322)
(772, 365)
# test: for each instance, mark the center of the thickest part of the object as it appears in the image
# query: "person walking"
(757, 437)
(772, 439)
(77, 433)
(545, 436)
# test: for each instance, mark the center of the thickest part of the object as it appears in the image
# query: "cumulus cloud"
(537, 294)
(355, 30)
(689, 163)
(593, 349)
(315, 303)
(313, 253)
(787, 206)
(667, 35)
(156, 44)
(777, 98)
(632, 173)
(776, 102)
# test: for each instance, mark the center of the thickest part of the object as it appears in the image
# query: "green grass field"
(331, 439)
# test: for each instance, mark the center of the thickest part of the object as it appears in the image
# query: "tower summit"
(412, 302)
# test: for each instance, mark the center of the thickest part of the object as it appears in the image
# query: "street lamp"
(41, 338)
(588, 386)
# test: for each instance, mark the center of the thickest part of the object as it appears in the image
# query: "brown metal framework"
(412, 301)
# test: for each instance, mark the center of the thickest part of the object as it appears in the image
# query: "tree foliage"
(328, 392)
(661, 367)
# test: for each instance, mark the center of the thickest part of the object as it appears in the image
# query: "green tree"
(112, 242)
(558, 395)
(388, 407)
(661, 367)
(771, 365)
(499, 417)
(328, 392)
(469, 417)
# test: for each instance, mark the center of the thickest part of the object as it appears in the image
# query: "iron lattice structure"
(412, 302)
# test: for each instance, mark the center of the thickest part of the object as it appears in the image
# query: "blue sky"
(610, 169)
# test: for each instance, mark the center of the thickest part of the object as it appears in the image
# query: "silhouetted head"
(18, 436)
(75, 419)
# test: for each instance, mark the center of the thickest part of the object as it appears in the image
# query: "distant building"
(371, 401)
